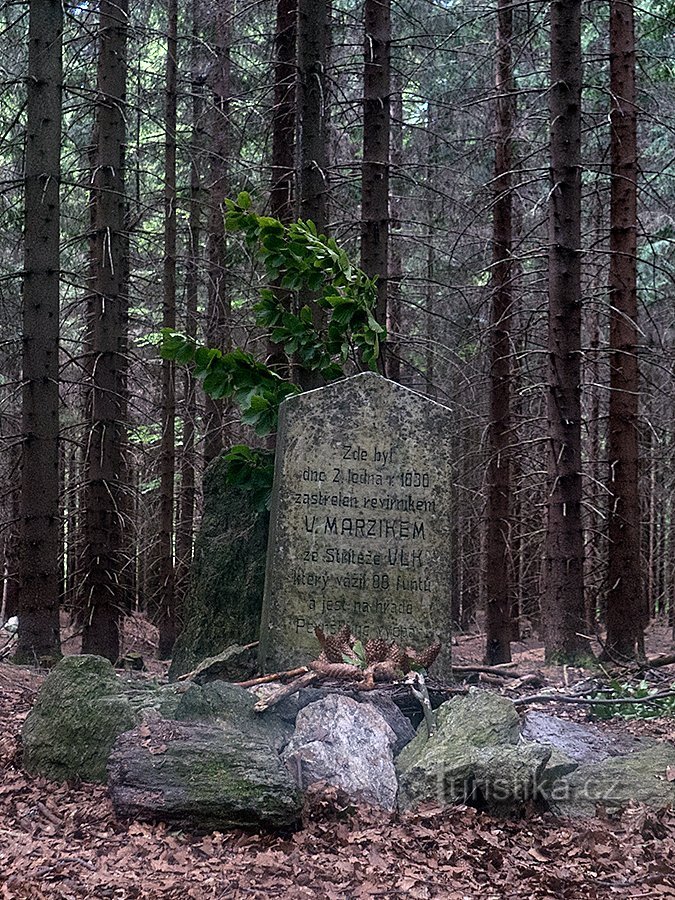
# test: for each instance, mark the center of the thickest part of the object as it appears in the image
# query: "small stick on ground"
(502, 669)
(274, 676)
(597, 701)
(286, 691)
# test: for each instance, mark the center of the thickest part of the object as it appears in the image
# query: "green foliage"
(298, 262)
(251, 469)
(301, 262)
(256, 389)
(357, 657)
(658, 705)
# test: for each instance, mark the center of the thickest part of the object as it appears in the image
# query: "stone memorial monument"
(360, 521)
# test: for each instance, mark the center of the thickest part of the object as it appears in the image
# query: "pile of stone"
(200, 756)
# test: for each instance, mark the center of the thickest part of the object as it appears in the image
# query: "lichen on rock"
(227, 578)
(79, 711)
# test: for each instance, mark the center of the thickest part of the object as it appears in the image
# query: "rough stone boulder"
(399, 723)
(573, 744)
(224, 598)
(346, 744)
(80, 709)
(475, 755)
(612, 782)
(201, 775)
(219, 701)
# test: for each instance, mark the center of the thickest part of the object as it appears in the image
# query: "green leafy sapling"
(298, 263)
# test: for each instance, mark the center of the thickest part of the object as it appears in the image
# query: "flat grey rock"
(581, 743)
(612, 783)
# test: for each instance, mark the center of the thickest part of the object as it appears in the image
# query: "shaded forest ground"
(63, 841)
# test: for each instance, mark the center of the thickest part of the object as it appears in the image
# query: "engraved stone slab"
(360, 521)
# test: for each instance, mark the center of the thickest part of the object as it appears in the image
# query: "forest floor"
(63, 841)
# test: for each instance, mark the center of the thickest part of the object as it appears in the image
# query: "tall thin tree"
(626, 615)
(563, 576)
(166, 621)
(313, 145)
(39, 570)
(376, 139)
(104, 589)
(218, 309)
(282, 191)
(185, 525)
(498, 620)
(312, 106)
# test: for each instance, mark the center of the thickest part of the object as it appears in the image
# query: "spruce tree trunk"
(312, 47)
(39, 569)
(166, 621)
(218, 310)
(395, 258)
(282, 193)
(376, 134)
(626, 616)
(185, 527)
(563, 576)
(497, 580)
(104, 588)
(282, 188)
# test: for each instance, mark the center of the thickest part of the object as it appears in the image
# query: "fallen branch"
(526, 679)
(274, 676)
(664, 660)
(419, 690)
(213, 661)
(500, 669)
(6, 649)
(286, 691)
(494, 680)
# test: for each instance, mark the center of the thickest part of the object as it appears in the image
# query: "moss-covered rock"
(475, 755)
(79, 711)
(219, 701)
(227, 579)
(206, 776)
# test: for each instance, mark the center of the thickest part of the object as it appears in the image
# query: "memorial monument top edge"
(363, 379)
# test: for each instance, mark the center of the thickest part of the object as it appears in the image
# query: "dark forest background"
(516, 207)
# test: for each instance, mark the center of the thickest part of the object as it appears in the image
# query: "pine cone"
(376, 650)
(426, 657)
(339, 671)
(334, 646)
(396, 657)
(345, 636)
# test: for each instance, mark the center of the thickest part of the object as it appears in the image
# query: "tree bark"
(497, 580)
(185, 527)
(218, 310)
(395, 259)
(282, 188)
(166, 621)
(313, 33)
(626, 615)
(105, 597)
(376, 136)
(313, 149)
(39, 570)
(563, 576)
(282, 191)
